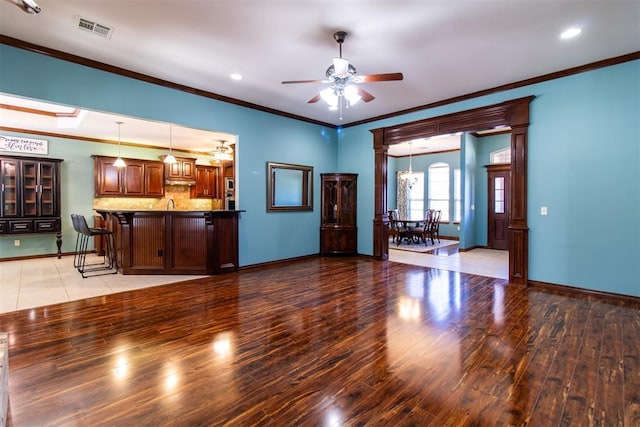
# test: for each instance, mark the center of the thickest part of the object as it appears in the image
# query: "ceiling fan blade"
(314, 99)
(364, 95)
(378, 77)
(341, 67)
(304, 81)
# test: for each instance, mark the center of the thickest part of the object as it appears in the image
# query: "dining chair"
(434, 231)
(392, 228)
(422, 233)
(399, 230)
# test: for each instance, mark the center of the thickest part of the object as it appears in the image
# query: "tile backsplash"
(179, 193)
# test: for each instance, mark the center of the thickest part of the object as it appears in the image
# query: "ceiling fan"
(343, 91)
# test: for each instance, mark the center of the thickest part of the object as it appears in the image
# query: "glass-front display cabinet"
(338, 226)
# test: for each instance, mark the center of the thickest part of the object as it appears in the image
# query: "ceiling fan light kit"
(344, 92)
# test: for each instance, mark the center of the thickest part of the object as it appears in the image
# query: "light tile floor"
(44, 281)
(483, 262)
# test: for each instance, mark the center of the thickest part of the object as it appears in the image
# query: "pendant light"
(119, 163)
(169, 158)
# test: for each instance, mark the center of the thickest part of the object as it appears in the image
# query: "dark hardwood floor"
(328, 342)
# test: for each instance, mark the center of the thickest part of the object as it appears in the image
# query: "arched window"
(501, 156)
(438, 186)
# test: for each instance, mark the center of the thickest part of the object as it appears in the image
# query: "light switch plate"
(543, 210)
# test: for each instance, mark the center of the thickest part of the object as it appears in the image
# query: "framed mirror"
(289, 187)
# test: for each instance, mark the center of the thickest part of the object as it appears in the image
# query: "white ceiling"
(444, 48)
(102, 126)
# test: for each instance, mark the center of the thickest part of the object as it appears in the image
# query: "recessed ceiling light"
(570, 33)
(236, 76)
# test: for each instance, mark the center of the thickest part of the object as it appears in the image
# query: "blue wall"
(468, 147)
(262, 137)
(583, 163)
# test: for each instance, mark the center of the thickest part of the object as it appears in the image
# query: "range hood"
(179, 182)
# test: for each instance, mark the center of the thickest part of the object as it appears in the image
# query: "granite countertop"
(163, 210)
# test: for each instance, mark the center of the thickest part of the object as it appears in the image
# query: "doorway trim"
(498, 222)
(513, 113)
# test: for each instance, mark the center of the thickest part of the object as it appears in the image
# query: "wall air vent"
(93, 27)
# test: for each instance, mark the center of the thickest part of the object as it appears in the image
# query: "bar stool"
(85, 233)
(80, 244)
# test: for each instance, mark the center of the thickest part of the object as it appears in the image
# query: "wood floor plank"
(631, 365)
(566, 337)
(530, 361)
(579, 397)
(327, 341)
(605, 401)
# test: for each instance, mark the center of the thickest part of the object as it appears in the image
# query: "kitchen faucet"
(173, 203)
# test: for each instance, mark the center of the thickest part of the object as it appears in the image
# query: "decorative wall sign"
(24, 145)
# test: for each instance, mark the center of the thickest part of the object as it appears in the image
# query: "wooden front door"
(499, 177)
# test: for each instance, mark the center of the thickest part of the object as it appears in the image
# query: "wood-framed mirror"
(289, 187)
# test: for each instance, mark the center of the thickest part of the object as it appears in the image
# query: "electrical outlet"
(16, 242)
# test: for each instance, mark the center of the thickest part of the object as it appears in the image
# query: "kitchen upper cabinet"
(183, 170)
(134, 178)
(208, 182)
(108, 179)
(140, 178)
(154, 179)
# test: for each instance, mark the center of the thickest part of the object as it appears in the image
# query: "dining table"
(407, 229)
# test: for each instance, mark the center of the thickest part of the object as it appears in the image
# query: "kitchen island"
(174, 241)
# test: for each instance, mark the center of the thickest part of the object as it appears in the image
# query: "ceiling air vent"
(93, 27)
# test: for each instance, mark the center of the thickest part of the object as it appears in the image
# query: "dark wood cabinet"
(154, 179)
(183, 169)
(108, 179)
(10, 187)
(139, 178)
(174, 242)
(208, 183)
(338, 226)
(133, 178)
(30, 196)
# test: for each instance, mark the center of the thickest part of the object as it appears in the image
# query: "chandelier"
(222, 152)
(408, 177)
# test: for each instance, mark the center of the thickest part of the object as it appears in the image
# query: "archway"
(515, 114)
